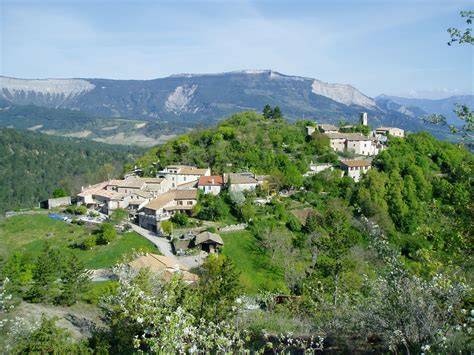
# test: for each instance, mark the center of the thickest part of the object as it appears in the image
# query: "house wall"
(158, 189)
(242, 187)
(215, 189)
(361, 147)
(338, 144)
(60, 201)
(356, 172)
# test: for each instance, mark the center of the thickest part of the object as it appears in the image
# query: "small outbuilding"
(209, 242)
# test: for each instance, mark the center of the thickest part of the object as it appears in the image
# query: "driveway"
(161, 243)
(165, 248)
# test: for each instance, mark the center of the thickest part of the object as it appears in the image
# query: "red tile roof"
(213, 180)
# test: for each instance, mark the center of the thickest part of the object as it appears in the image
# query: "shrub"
(180, 219)
(89, 242)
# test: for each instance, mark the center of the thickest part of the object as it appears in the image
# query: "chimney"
(212, 181)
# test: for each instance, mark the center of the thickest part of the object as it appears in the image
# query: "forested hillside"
(326, 264)
(33, 165)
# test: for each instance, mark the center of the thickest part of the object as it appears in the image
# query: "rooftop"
(208, 236)
(349, 136)
(169, 196)
(356, 163)
(239, 178)
(155, 263)
(328, 127)
(213, 180)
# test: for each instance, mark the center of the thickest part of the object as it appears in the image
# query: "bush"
(89, 243)
(180, 219)
(106, 233)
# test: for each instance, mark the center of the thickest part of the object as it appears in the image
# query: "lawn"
(29, 234)
(256, 271)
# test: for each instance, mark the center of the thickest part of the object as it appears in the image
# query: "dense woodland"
(381, 265)
(33, 165)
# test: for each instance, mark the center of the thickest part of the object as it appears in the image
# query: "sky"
(395, 47)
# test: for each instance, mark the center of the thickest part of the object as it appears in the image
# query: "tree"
(166, 227)
(118, 215)
(89, 242)
(73, 279)
(218, 287)
(458, 36)
(333, 241)
(462, 111)
(48, 339)
(276, 241)
(212, 208)
(59, 192)
(277, 113)
(180, 219)
(267, 111)
(106, 233)
(48, 266)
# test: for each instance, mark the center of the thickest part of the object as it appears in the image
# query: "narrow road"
(165, 248)
(161, 243)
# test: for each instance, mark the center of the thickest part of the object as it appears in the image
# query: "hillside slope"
(193, 100)
(32, 165)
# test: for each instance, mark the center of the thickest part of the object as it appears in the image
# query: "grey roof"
(208, 236)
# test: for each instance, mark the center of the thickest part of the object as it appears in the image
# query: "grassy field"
(29, 234)
(256, 271)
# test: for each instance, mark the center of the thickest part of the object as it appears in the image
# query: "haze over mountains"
(149, 111)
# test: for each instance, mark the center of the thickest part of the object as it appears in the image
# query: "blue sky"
(392, 47)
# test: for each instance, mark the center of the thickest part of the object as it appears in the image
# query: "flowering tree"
(151, 315)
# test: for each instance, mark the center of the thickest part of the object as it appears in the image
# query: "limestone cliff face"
(202, 99)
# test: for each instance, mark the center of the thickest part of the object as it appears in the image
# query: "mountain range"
(150, 111)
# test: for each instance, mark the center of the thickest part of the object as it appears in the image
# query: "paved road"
(165, 248)
(161, 243)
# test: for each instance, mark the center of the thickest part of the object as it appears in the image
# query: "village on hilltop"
(149, 201)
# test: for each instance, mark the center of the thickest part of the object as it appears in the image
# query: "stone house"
(182, 174)
(211, 184)
(392, 131)
(240, 182)
(355, 168)
(165, 206)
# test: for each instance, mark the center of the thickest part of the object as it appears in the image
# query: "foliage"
(272, 113)
(70, 163)
(166, 227)
(106, 233)
(149, 315)
(458, 36)
(244, 142)
(58, 277)
(180, 219)
(59, 192)
(48, 339)
(211, 207)
(77, 210)
(118, 215)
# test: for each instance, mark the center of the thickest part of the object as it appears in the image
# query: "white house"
(355, 168)
(182, 174)
(310, 130)
(130, 193)
(165, 206)
(317, 168)
(355, 142)
(392, 131)
(211, 184)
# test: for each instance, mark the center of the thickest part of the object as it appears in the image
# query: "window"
(190, 203)
(185, 178)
